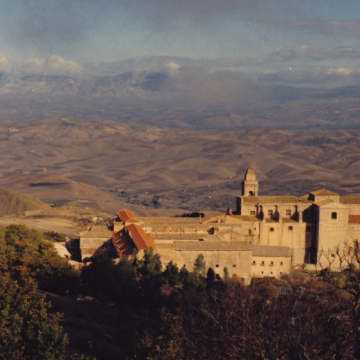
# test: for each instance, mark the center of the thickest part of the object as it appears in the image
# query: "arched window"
(334, 215)
(251, 193)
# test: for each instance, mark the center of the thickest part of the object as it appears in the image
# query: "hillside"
(13, 203)
(107, 165)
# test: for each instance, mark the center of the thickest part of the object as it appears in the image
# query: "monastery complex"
(264, 236)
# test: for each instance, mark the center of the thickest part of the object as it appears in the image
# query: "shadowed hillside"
(13, 203)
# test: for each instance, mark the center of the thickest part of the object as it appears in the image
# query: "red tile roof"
(125, 215)
(141, 239)
(354, 219)
(123, 244)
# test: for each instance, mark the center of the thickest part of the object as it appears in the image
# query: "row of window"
(263, 263)
(270, 273)
(217, 265)
(308, 228)
(271, 212)
(288, 212)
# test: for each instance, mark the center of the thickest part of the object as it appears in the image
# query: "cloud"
(321, 76)
(55, 64)
(109, 29)
(347, 27)
(4, 63)
(173, 67)
(44, 27)
(317, 53)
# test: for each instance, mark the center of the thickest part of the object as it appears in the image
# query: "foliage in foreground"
(27, 329)
(177, 314)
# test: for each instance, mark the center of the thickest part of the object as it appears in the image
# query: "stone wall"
(262, 266)
(237, 262)
(332, 231)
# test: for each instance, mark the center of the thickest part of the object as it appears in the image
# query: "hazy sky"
(107, 30)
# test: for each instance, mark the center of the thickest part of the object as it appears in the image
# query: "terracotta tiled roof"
(211, 246)
(330, 204)
(273, 200)
(271, 221)
(279, 251)
(322, 192)
(245, 217)
(125, 215)
(174, 236)
(323, 202)
(350, 199)
(97, 232)
(354, 219)
(141, 239)
(287, 220)
(169, 220)
(123, 244)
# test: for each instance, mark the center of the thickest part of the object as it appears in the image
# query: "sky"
(326, 31)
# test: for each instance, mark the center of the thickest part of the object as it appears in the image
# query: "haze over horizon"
(319, 31)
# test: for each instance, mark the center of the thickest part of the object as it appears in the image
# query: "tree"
(97, 279)
(151, 263)
(27, 329)
(340, 269)
(171, 273)
(210, 277)
(54, 236)
(226, 273)
(200, 265)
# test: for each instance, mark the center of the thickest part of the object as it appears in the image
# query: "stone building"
(265, 236)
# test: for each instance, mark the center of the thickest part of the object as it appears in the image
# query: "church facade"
(264, 236)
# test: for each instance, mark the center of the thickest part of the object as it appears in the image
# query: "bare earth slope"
(105, 165)
(14, 203)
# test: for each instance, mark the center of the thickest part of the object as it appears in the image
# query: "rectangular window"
(254, 262)
(281, 263)
(252, 213)
(271, 229)
(270, 212)
(250, 232)
(290, 228)
(334, 215)
(288, 212)
(272, 263)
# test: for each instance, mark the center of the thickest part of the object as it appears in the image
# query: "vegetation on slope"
(147, 312)
(15, 203)
(28, 263)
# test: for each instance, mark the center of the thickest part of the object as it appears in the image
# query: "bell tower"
(250, 186)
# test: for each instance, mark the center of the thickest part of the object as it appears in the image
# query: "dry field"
(106, 166)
